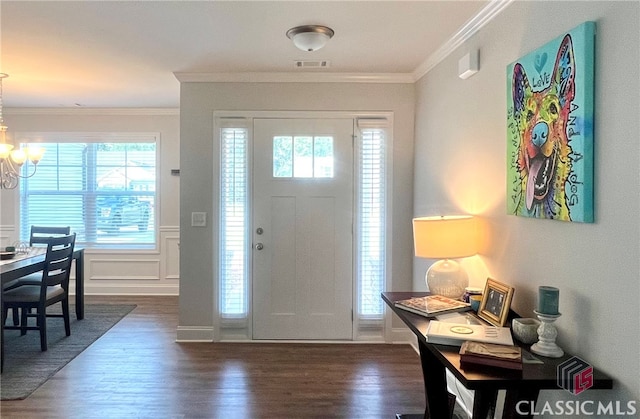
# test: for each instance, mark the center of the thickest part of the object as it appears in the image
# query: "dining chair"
(53, 288)
(39, 235)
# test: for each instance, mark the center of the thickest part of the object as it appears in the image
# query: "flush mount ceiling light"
(310, 37)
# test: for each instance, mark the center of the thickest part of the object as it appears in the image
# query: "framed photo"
(496, 301)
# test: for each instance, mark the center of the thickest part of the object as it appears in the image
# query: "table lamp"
(446, 238)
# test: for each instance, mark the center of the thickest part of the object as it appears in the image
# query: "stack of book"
(452, 334)
(490, 354)
(432, 305)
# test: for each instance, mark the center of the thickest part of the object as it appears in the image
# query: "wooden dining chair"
(39, 235)
(53, 288)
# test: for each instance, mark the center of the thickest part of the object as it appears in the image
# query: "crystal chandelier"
(11, 160)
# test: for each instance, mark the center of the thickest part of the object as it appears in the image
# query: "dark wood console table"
(435, 359)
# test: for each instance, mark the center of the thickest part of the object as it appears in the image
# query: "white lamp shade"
(35, 153)
(18, 156)
(447, 237)
(5, 150)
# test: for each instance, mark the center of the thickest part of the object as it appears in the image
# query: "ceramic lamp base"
(547, 333)
(447, 278)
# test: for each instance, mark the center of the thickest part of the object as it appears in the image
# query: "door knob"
(259, 246)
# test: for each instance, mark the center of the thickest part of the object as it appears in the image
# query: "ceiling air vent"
(311, 64)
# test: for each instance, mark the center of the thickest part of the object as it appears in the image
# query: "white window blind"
(105, 191)
(233, 221)
(372, 198)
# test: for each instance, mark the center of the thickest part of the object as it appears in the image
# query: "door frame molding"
(362, 330)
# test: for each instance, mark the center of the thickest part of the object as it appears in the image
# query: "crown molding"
(94, 111)
(463, 34)
(470, 28)
(288, 77)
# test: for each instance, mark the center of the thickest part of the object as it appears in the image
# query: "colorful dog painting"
(550, 130)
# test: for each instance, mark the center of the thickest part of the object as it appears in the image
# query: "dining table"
(30, 260)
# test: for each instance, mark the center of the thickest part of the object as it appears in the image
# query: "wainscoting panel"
(136, 273)
(123, 269)
(127, 273)
(171, 262)
(6, 236)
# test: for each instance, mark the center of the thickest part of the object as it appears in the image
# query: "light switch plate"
(198, 219)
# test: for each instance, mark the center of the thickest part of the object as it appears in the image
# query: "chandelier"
(11, 160)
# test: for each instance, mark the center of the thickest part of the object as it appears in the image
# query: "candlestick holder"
(547, 333)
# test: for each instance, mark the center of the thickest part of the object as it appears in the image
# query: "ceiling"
(126, 53)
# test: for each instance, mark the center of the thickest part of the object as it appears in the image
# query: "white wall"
(116, 272)
(461, 166)
(199, 181)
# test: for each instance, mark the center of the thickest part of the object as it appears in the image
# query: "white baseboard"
(130, 289)
(404, 335)
(194, 334)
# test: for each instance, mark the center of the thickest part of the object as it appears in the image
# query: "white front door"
(302, 228)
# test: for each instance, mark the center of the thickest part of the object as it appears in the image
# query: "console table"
(519, 385)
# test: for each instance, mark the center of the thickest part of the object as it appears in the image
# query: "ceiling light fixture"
(11, 160)
(310, 37)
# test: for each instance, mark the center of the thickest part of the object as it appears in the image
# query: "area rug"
(26, 367)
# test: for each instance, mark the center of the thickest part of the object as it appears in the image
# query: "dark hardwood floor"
(137, 370)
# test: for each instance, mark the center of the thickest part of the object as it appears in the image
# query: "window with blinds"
(106, 191)
(233, 221)
(372, 198)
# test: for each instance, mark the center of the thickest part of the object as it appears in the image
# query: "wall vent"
(311, 64)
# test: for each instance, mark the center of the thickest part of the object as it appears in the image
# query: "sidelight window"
(372, 218)
(233, 221)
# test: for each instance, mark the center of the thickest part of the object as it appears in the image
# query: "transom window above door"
(302, 157)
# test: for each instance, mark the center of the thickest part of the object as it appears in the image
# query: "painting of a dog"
(550, 130)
